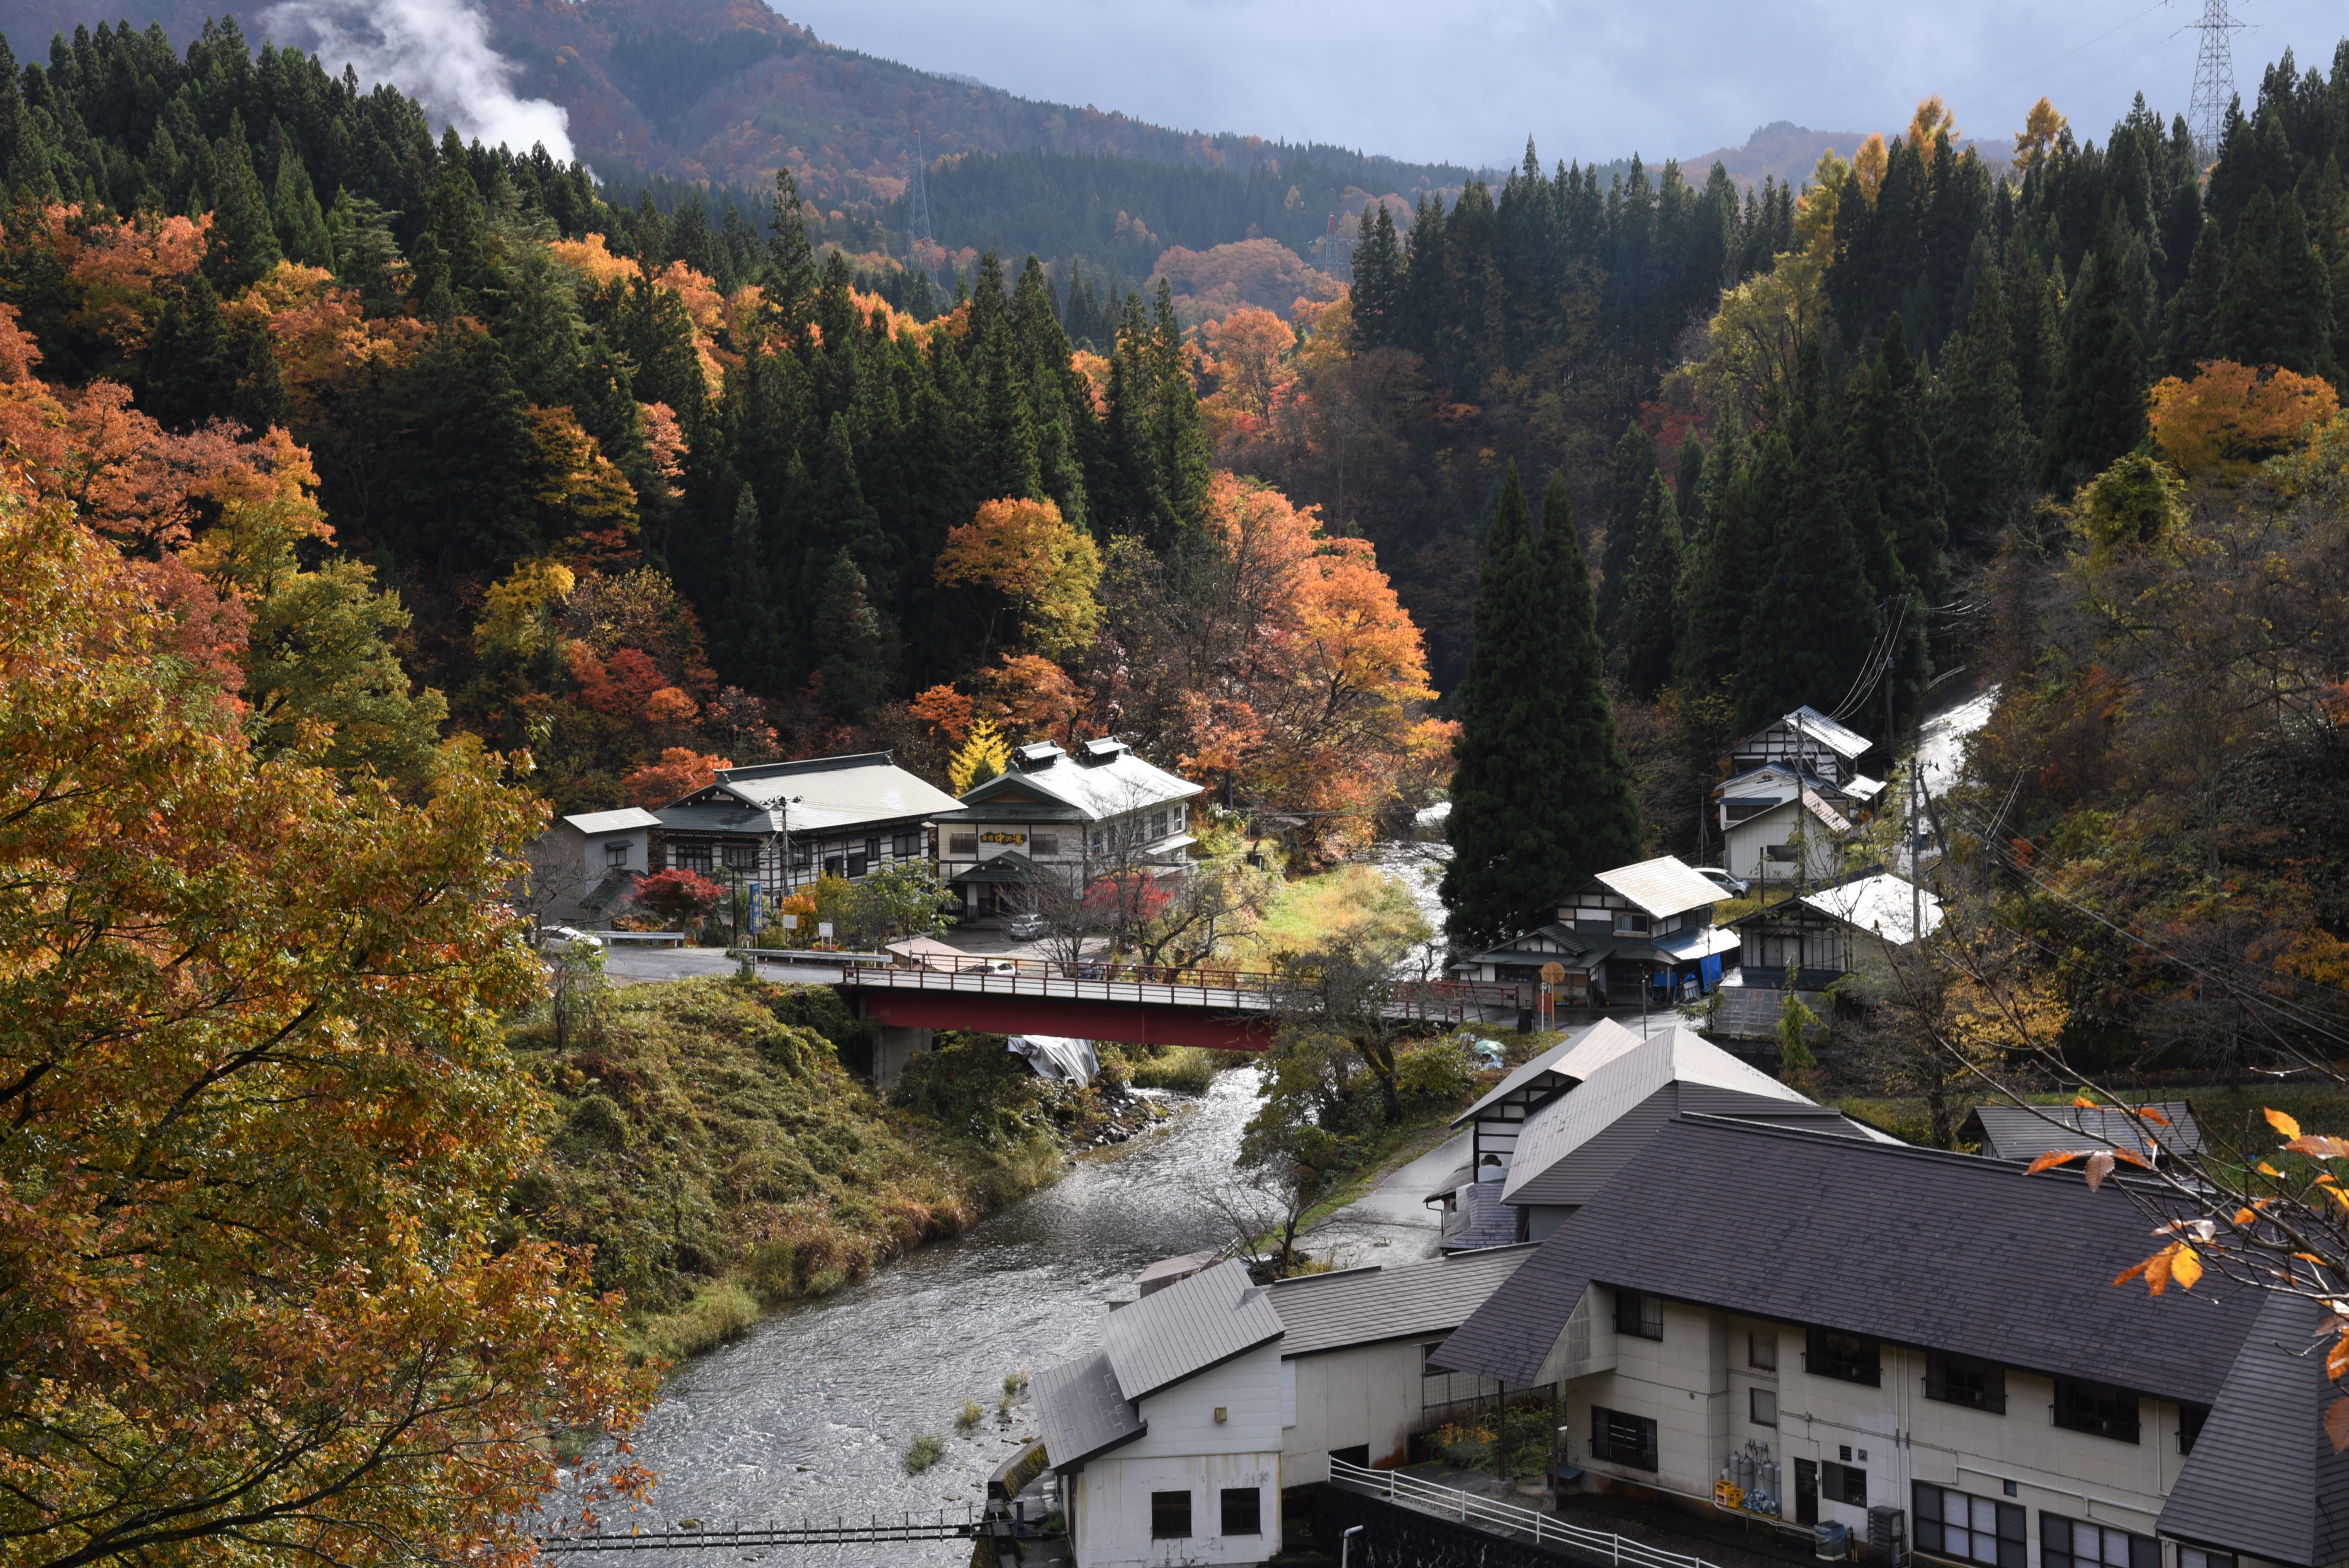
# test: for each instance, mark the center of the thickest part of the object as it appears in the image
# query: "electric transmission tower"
(918, 211)
(2214, 79)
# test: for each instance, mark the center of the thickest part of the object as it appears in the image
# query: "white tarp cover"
(1058, 1058)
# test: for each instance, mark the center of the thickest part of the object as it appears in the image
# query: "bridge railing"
(1098, 979)
(1490, 1513)
(694, 1535)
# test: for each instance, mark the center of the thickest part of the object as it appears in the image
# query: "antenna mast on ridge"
(2214, 80)
(918, 213)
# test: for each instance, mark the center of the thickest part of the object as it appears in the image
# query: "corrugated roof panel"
(1883, 904)
(1838, 738)
(1121, 783)
(626, 819)
(828, 792)
(1941, 1250)
(1172, 1333)
(1327, 1312)
(2020, 1133)
(1082, 1411)
(1662, 886)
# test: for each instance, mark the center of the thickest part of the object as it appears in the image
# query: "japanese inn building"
(778, 826)
(1101, 812)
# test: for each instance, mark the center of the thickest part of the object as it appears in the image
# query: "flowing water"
(811, 1413)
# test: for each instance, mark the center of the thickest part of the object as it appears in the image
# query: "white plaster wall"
(1112, 1524)
(1695, 1383)
(1367, 1394)
(1182, 1419)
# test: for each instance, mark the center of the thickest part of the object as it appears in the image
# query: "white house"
(584, 865)
(1912, 1342)
(1792, 789)
(1852, 927)
(1645, 924)
(1166, 1441)
(1101, 811)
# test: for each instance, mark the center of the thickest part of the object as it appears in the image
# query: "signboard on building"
(1003, 837)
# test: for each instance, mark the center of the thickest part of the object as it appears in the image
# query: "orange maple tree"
(2228, 417)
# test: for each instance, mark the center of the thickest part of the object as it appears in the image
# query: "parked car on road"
(1734, 887)
(1027, 927)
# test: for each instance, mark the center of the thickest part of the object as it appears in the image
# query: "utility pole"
(2214, 80)
(917, 214)
(1916, 872)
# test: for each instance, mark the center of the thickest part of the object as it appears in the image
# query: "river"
(810, 1412)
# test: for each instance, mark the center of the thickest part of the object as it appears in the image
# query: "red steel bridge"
(1222, 1009)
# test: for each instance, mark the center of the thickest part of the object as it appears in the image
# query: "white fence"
(1489, 1513)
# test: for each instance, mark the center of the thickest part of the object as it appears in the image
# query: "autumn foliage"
(2229, 417)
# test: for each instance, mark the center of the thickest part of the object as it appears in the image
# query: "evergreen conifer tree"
(259, 400)
(855, 652)
(293, 208)
(243, 245)
(2033, 311)
(1541, 793)
(2275, 304)
(1984, 447)
(1719, 580)
(791, 260)
(1688, 487)
(1377, 280)
(747, 629)
(2191, 322)
(1815, 618)
(2097, 411)
(1634, 463)
(1899, 458)
(191, 369)
(1650, 612)
(1178, 434)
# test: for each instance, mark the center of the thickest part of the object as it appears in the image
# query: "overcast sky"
(1465, 80)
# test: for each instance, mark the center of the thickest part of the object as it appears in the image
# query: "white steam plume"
(437, 51)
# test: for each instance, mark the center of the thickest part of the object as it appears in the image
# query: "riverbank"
(703, 1137)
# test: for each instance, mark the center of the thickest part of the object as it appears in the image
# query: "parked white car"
(1027, 927)
(1735, 887)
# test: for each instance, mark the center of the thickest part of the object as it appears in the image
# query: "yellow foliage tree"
(982, 755)
(1044, 570)
(2037, 137)
(1932, 118)
(1870, 161)
(2230, 416)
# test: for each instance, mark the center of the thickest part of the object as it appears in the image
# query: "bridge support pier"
(899, 1044)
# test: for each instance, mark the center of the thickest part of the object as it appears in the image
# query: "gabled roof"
(1082, 1411)
(1562, 1065)
(1101, 781)
(1555, 940)
(1480, 1221)
(1183, 1330)
(1916, 1247)
(1777, 770)
(2015, 1132)
(2263, 1478)
(1817, 727)
(627, 819)
(1883, 904)
(1617, 1088)
(826, 792)
(1663, 886)
(1362, 1307)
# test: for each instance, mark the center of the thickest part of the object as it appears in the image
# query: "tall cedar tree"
(1717, 586)
(1542, 794)
(1984, 447)
(2097, 411)
(1816, 619)
(243, 245)
(1688, 487)
(1634, 464)
(1650, 612)
(1900, 458)
(2275, 304)
(1378, 282)
(2190, 320)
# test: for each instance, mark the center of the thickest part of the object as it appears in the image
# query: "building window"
(2195, 1557)
(1622, 1439)
(962, 843)
(1170, 1515)
(1628, 922)
(1243, 1511)
(2190, 1425)
(617, 855)
(1969, 1529)
(1157, 826)
(2075, 1543)
(1642, 1316)
(1761, 1350)
(1764, 1405)
(1439, 1387)
(1045, 843)
(834, 864)
(2098, 1407)
(802, 855)
(692, 858)
(1827, 1354)
(872, 849)
(1963, 1381)
(1846, 1484)
(907, 845)
(856, 864)
(741, 857)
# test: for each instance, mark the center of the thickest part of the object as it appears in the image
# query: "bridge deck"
(802, 1533)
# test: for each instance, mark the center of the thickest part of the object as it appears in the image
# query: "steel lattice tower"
(917, 209)
(2214, 79)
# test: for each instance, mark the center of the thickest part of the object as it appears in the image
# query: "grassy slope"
(705, 1140)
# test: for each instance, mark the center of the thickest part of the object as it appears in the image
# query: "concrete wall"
(1186, 1449)
(1696, 1383)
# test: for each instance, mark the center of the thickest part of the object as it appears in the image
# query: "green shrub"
(971, 1084)
(923, 1451)
(969, 1418)
(1184, 1069)
(718, 1311)
(1436, 1073)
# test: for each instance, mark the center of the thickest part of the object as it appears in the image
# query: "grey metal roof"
(2013, 1132)
(1082, 1412)
(1620, 1087)
(1662, 886)
(1883, 904)
(822, 793)
(1816, 726)
(1556, 940)
(1480, 1219)
(1362, 1307)
(724, 817)
(1916, 1247)
(1183, 1330)
(1569, 1062)
(2263, 1478)
(628, 818)
(1096, 786)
